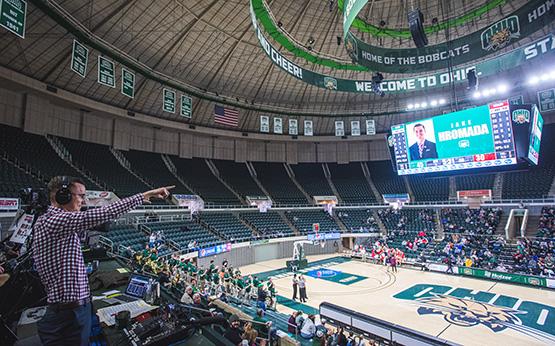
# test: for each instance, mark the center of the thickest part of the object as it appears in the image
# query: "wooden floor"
(374, 296)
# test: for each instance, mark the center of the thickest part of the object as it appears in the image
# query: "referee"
(59, 261)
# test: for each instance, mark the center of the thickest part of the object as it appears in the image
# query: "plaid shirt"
(57, 247)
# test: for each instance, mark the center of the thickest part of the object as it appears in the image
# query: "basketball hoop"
(474, 198)
(193, 203)
(263, 203)
(396, 201)
(328, 202)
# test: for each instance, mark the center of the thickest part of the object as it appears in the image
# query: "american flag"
(226, 116)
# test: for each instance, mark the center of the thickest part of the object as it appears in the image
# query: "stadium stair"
(532, 225)
(288, 222)
(497, 191)
(216, 173)
(440, 231)
(500, 229)
(383, 229)
(65, 155)
(327, 174)
(409, 189)
(254, 177)
(127, 165)
(339, 222)
(452, 188)
(291, 174)
(173, 170)
(248, 225)
(368, 178)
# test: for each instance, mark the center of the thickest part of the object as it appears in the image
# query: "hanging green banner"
(168, 101)
(13, 14)
(127, 83)
(106, 72)
(79, 58)
(540, 48)
(531, 17)
(546, 100)
(186, 106)
(350, 12)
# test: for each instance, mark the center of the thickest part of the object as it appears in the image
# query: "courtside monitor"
(471, 138)
(137, 286)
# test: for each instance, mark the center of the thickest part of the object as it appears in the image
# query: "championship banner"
(350, 12)
(339, 128)
(278, 125)
(9, 204)
(293, 127)
(370, 127)
(529, 18)
(533, 51)
(264, 123)
(355, 128)
(308, 128)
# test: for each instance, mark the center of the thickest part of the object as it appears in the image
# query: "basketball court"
(460, 309)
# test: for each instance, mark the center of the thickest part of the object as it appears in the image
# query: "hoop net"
(193, 203)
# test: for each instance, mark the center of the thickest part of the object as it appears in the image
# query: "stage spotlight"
(417, 105)
(424, 104)
(410, 106)
(477, 95)
(552, 75)
(533, 80)
(544, 77)
(492, 91)
(502, 88)
(442, 101)
(485, 93)
(434, 103)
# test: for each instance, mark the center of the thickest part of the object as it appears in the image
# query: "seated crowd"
(535, 257)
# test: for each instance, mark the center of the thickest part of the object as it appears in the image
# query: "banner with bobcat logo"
(529, 18)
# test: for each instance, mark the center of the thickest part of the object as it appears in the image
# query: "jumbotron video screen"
(471, 138)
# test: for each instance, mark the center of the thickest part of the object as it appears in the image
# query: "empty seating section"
(151, 167)
(409, 220)
(304, 219)
(12, 179)
(184, 233)
(385, 180)
(546, 225)
(476, 221)
(99, 160)
(238, 176)
(276, 181)
(228, 225)
(427, 189)
(36, 152)
(358, 220)
(533, 183)
(199, 177)
(475, 182)
(351, 184)
(268, 225)
(312, 179)
(127, 236)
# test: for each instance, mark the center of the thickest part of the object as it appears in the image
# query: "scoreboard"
(471, 138)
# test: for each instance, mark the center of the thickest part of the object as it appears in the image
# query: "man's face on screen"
(420, 133)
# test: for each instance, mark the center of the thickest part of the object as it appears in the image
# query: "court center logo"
(500, 34)
(468, 308)
(468, 313)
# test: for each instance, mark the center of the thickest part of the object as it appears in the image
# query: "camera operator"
(59, 260)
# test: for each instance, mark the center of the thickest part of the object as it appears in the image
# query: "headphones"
(63, 195)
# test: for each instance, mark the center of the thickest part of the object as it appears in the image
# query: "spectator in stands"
(261, 297)
(268, 331)
(250, 334)
(308, 329)
(291, 323)
(233, 332)
(187, 297)
(57, 236)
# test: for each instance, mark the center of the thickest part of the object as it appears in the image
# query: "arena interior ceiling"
(211, 45)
